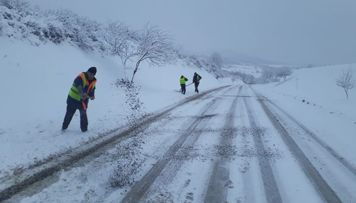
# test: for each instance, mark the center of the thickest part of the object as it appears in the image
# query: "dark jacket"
(196, 78)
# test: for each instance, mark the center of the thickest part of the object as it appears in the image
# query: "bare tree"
(121, 40)
(346, 82)
(153, 47)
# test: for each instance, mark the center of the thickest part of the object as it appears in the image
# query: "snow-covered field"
(35, 83)
(312, 97)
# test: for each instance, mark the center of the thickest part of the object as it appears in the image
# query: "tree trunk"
(347, 94)
(136, 68)
(137, 65)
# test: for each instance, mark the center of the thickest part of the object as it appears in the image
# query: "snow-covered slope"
(318, 87)
(312, 97)
(35, 83)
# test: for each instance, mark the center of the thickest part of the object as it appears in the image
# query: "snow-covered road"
(231, 145)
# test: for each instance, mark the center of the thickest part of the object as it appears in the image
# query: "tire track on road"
(270, 186)
(140, 188)
(9, 186)
(336, 155)
(325, 191)
(217, 191)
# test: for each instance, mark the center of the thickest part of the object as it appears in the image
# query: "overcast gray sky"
(286, 31)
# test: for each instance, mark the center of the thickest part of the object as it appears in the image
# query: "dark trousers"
(72, 106)
(196, 84)
(182, 87)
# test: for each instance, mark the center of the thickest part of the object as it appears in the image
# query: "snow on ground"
(35, 83)
(185, 178)
(325, 109)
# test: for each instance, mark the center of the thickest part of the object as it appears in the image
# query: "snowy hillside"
(43, 51)
(36, 82)
(252, 74)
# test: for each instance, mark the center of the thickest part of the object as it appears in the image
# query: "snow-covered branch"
(154, 47)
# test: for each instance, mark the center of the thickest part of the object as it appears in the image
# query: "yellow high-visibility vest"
(74, 92)
(182, 80)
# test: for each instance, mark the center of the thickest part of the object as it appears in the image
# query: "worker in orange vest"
(82, 90)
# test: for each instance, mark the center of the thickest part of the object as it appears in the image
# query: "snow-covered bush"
(53, 34)
(203, 62)
(19, 20)
(12, 25)
(21, 7)
(273, 74)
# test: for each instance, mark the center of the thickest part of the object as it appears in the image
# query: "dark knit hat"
(92, 70)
